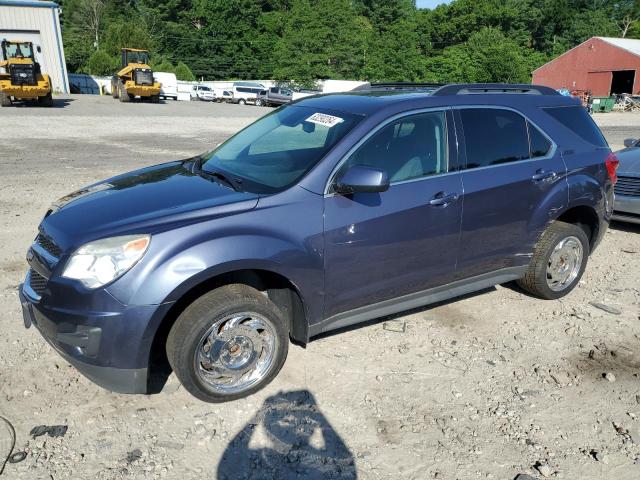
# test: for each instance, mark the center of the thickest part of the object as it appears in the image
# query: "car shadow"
(288, 438)
(625, 226)
(404, 313)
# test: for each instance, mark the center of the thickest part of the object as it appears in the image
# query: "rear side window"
(494, 136)
(540, 145)
(579, 122)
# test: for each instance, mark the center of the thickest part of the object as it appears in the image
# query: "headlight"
(100, 262)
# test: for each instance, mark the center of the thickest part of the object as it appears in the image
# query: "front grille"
(48, 245)
(36, 281)
(23, 74)
(143, 76)
(629, 186)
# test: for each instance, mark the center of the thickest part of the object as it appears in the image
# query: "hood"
(629, 162)
(143, 201)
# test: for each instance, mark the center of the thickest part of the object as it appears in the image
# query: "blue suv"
(330, 211)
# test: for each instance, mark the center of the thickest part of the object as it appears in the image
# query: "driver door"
(381, 246)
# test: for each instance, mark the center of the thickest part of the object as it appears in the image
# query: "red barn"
(601, 64)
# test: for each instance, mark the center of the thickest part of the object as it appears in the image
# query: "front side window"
(408, 148)
(280, 148)
(494, 136)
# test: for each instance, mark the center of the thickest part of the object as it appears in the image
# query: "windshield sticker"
(324, 119)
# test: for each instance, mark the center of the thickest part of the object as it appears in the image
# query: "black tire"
(114, 89)
(242, 102)
(5, 100)
(259, 103)
(122, 93)
(155, 98)
(536, 280)
(187, 333)
(46, 100)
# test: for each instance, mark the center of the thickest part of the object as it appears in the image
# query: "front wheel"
(241, 101)
(5, 100)
(259, 103)
(46, 100)
(558, 262)
(228, 344)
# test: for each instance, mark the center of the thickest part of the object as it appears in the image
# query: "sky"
(430, 3)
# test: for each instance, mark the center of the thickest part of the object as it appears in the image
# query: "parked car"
(225, 97)
(274, 96)
(245, 92)
(627, 189)
(325, 213)
(203, 93)
(169, 84)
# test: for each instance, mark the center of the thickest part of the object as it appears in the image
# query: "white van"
(169, 84)
(246, 92)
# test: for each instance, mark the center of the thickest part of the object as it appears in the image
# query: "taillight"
(612, 163)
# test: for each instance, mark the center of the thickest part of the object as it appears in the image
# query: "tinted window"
(494, 136)
(540, 145)
(410, 147)
(579, 122)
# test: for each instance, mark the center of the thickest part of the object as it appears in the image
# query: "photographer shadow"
(287, 438)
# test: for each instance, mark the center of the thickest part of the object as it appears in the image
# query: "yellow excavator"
(22, 78)
(135, 78)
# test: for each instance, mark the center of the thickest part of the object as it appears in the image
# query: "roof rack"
(489, 88)
(393, 86)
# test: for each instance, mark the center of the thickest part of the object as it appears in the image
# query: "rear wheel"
(155, 98)
(559, 260)
(46, 100)
(228, 344)
(5, 100)
(242, 102)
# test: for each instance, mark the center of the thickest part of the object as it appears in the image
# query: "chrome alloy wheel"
(236, 352)
(564, 264)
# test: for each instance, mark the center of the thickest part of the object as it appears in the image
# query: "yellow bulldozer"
(22, 78)
(135, 78)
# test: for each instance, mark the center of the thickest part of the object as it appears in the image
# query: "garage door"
(26, 36)
(599, 83)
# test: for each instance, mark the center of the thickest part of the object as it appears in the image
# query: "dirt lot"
(482, 387)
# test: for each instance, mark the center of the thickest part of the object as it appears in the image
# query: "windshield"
(277, 150)
(137, 57)
(19, 50)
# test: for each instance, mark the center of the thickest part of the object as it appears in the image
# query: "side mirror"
(630, 142)
(360, 178)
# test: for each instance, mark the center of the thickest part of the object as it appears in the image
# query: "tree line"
(305, 40)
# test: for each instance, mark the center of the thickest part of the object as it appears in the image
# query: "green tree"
(488, 56)
(100, 63)
(183, 72)
(321, 39)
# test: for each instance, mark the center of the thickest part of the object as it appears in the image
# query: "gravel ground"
(488, 386)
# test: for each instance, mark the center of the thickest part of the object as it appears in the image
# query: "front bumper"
(142, 90)
(24, 91)
(111, 348)
(627, 209)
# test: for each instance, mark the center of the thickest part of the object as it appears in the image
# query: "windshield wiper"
(222, 179)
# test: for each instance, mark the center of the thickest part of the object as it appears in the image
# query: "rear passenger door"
(511, 177)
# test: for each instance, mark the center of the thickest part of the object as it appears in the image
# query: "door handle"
(544, 176)
(442, 199)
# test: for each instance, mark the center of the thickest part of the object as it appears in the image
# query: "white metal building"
(37, 22)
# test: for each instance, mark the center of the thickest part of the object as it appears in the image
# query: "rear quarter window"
(579, 122)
